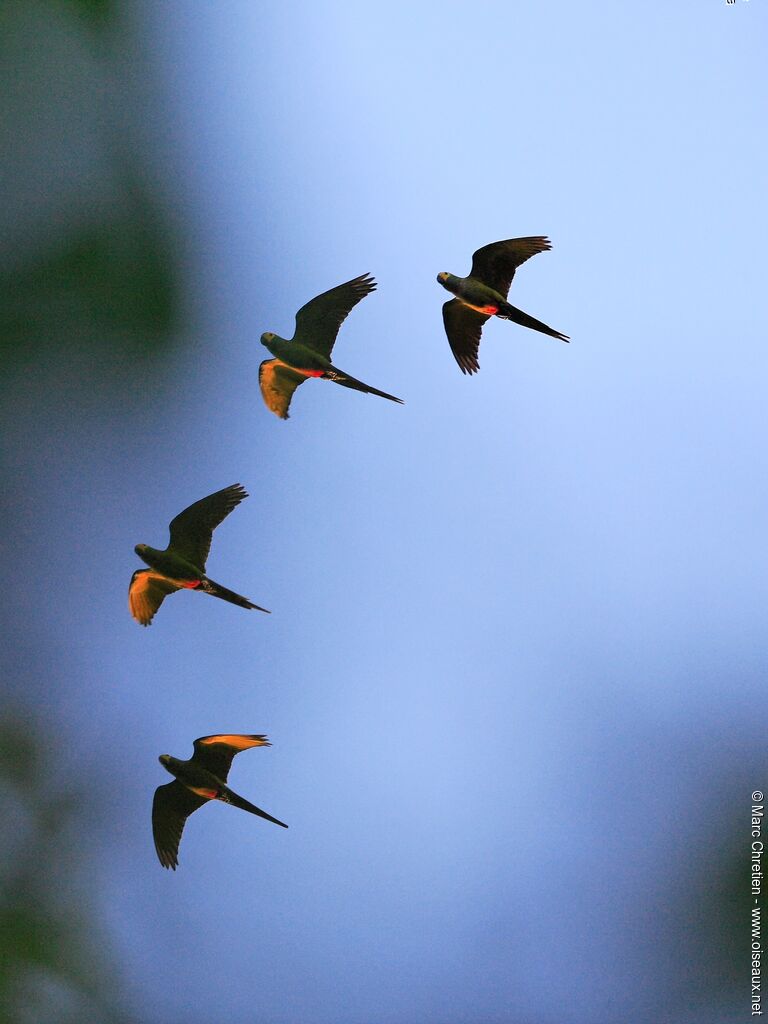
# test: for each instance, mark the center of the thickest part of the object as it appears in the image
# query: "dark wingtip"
(367, 281)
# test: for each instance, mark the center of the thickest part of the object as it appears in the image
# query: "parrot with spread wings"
(308, 353)
(182, 564)
(483, 294)
(196, 781)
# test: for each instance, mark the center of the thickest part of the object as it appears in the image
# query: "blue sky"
(514, 674)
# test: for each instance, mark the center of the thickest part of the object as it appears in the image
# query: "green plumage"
(483, 293)
(196, 781)
(308, 353)
(182, 563)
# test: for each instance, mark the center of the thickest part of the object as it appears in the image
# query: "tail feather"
(229, 797)
(509, 312)
(339, 377)
(216, 590)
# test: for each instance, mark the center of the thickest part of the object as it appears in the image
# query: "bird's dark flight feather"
(192, 529)
(318, 322)
(235, 800)
(463, 327)
(495, 264)
(339, 377)
(171, 807)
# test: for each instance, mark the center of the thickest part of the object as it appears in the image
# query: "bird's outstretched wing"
(278, 382)
(495, 264)
(215, 753)
(463, 327)
(146, 592)
(318, 322)
(192, 529)
(171, 807)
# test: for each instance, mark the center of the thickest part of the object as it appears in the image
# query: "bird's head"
(165, 760)
(267, 338)
(140, 549)
(442, 278)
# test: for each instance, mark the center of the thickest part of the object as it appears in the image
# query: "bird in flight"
(308, 353)
(484, 294)
(200, 779)
(182, 564)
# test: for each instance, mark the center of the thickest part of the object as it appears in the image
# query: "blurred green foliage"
(86, 253)
(109, 283)
(52, 967)
(98, 12)
(87, 276)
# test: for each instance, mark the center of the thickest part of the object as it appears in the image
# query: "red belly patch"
(203, 791)
(313, 373)
(191, 584)
(490, 310)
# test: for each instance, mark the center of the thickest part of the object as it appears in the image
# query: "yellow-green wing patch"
(146, 592)
(216, 752)
(278, 382)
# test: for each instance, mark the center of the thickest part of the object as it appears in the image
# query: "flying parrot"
(484, 294)
(182, 564)
(308, 353)
(200, 779)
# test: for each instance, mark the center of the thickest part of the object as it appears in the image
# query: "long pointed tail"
(237, 801)
(357, 385)
(509, 312)
(216, 590)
